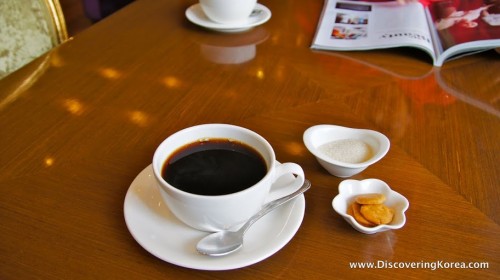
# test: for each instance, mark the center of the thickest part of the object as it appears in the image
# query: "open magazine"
(444, 29)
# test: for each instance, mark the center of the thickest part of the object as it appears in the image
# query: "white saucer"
(196, 15)
(155, 228)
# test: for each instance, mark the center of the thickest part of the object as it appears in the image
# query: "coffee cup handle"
(289, 178)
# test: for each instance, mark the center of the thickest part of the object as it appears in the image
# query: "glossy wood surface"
(79, 124)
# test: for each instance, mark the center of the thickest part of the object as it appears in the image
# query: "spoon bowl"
(225, 242)
(220, 243)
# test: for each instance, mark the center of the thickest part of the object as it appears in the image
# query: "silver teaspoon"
(225, 242)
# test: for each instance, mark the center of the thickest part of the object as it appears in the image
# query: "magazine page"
(464, 26)
(359, 25)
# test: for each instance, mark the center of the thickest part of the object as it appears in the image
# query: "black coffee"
(214, 167)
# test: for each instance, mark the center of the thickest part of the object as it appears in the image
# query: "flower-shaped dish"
(315, 136)
(349, 189)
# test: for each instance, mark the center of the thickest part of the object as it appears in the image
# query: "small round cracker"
(349, 210)
(377, 213)
(355, 210)
(370, 198)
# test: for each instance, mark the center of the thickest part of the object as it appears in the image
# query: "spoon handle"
(268, 207)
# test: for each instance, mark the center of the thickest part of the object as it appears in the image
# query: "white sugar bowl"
(345, 151)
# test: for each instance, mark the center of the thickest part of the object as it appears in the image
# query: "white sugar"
(348, 150)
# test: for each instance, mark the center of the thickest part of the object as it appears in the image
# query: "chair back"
(28, 29)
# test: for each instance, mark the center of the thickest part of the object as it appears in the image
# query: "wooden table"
(79, 124)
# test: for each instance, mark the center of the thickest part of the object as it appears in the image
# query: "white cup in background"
(228, 11)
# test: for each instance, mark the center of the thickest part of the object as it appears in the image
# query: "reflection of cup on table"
(216, 176)
(229, 55)
(232, 48)
(228, 11)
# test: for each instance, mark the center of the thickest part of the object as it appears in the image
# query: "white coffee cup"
(228, 11)
(219, 212)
